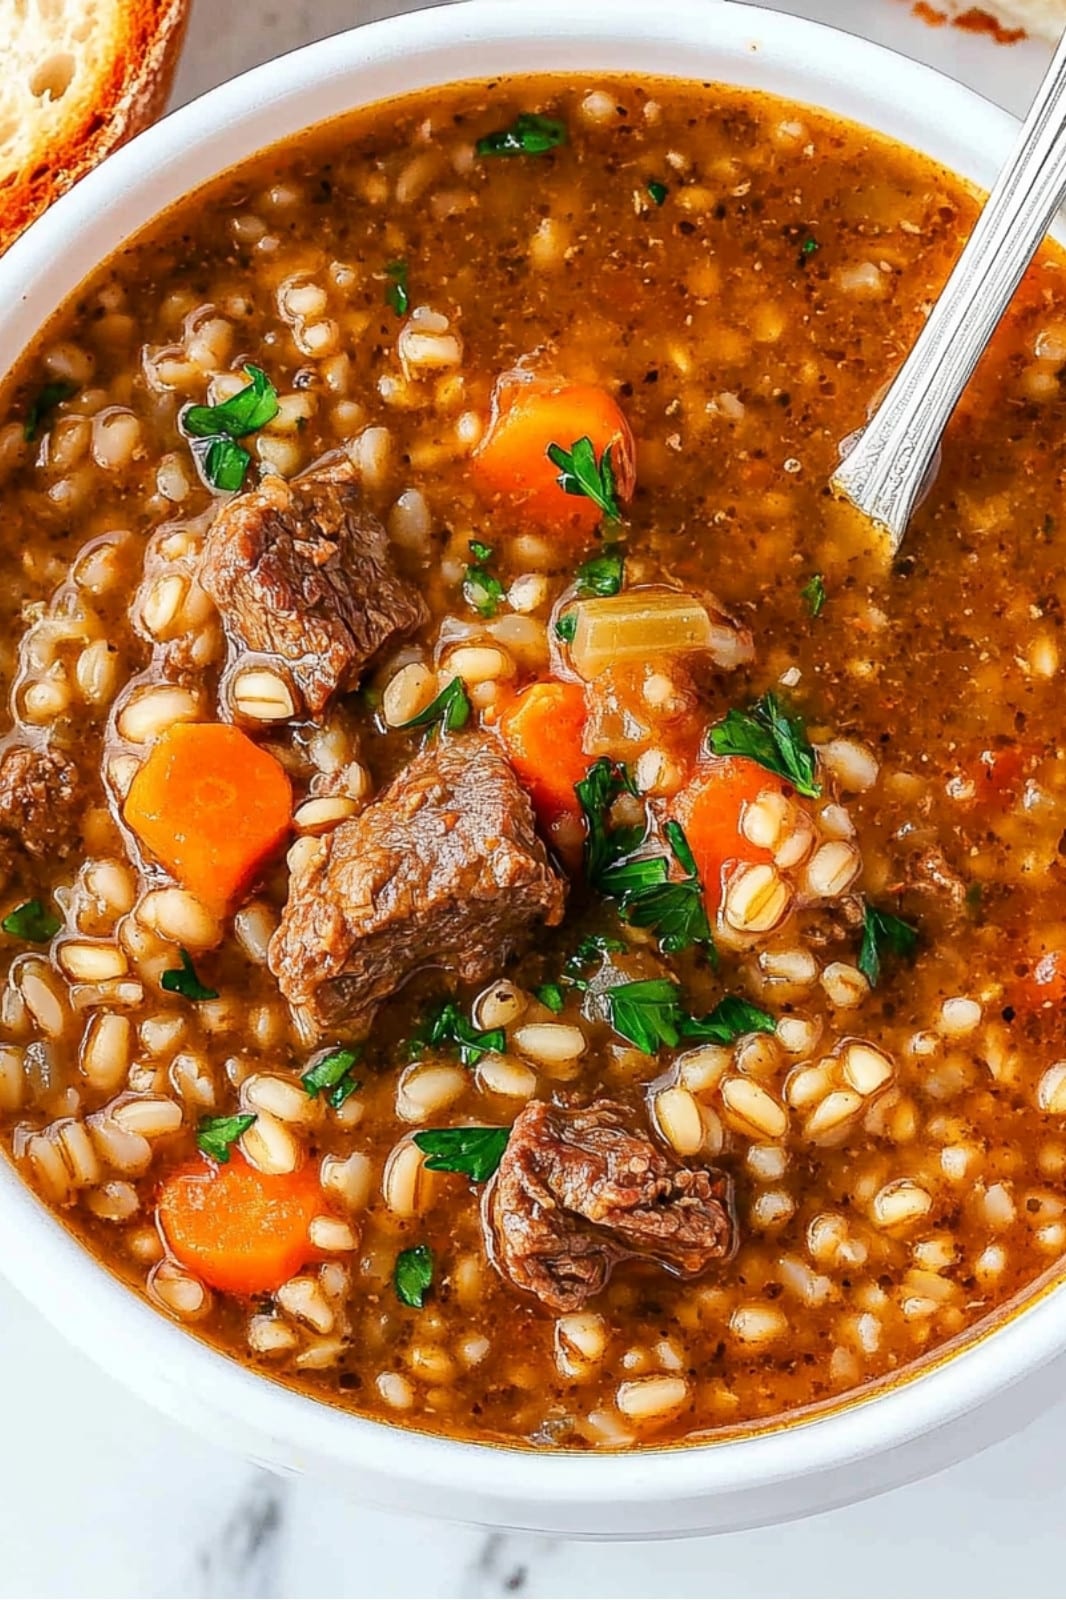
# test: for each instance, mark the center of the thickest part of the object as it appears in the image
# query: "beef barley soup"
(512, 921)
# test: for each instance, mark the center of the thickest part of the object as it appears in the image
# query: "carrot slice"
(542, 729)
(528, 415)
(1045, 986)
(212, 807)
(240, 1230)
(710, 808)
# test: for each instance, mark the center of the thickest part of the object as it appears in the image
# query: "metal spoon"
(884, 474)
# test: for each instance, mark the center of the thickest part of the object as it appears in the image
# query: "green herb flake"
(551, 995)
(731, 1018)
(250, 409)
(481, 588)
(44, 402)
(332, 1072)
(597, 793)
(566, 627)
(223, 462)
(32, 922)
(449, 711)
(183, 980)
(449, 1026)
(658, 191)
(777, 741)
(883, 934)
(413, 1275)
(813, 593)
(529, 134)
(601, 575)
(672, 908)
(475, 1152)
(581, 474)
(808, 248)
(648, 1013)
(397, 293)
(216, 1136)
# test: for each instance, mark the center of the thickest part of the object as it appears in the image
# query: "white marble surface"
(100, 1497)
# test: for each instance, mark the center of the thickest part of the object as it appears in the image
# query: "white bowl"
(995, 1380)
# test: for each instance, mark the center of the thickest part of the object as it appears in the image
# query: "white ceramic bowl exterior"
(990, 1387)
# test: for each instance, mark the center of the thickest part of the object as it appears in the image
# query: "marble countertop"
(101, 1497)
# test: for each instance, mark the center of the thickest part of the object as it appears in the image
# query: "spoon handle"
(884, 473)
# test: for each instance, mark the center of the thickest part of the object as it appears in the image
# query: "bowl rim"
(46, 1263)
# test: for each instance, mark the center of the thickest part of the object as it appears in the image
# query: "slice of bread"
(77, 78)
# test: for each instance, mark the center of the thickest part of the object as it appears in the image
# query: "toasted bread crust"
(125, 97)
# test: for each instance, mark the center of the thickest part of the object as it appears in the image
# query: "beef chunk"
(443, 870)
(41, 799)
(578, 1191)
(300, 572)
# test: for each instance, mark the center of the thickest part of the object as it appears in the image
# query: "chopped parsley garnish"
(649, 897)
(769, 735)
(529, 134)
(551, 995)
(601, 575)
(449, 1026)
(883, 933)
(397, 295)
(475, 1152)
(332, 1072)
(183, 980)
(412, 1276)
(597, 793)
(482, 589)
(44, 403)
(216, 1136)
(649, 1014)
(657, 190)
(450, 710)
(566, 627)
(593, 947)
(807, 249)
(214, 430)
(813, 593)
(31, 921)
(581, 474)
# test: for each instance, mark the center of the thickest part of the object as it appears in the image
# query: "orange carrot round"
(240, 1230)
(542, 729)
(211, 807)
(710, 809)
(1045, 986)
(530, 414)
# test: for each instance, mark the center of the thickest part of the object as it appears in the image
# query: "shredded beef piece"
(444, 870)
(41, 800)
(578, 1191)
(301, 572)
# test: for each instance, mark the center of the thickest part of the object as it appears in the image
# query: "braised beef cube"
(579, 1190)
(444, 870)
(302, 572)
(41, 800)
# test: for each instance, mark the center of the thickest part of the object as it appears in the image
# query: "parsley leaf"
(813, 592)
(481, 588)
(593, 947)
(732, 1017)
(449, 1026)
(566, 627)
(596, 793)
(883, 933)
(250, 409)
(214, 430)
(777, 741)
(216, 1136)
(333, 1071)
(475, 1152)
(31, 921)
(550, 995)
(807, 249)
(183, 980)
(648, 1013)
(601, 575)
(397, 295)
(657, 190)
(530, 134)
(451, 710)
(673, 908)
(412, 1276)
(44, 403)
(581, 474)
